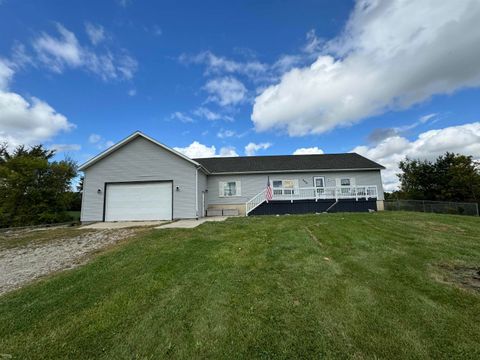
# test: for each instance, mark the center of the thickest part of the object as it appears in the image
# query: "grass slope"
(335, 286)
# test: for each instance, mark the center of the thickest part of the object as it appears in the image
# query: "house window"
(319, 183)
(284, 187)
(345, 182)
(230, 188)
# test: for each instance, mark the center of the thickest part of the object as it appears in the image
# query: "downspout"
(196, 192)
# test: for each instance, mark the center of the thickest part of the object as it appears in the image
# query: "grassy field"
(384, 285)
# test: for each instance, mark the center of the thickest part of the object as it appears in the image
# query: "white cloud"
(65, 147)
(313, 44)
(206, 113)
(252, 148)
(132, 92)
(198, 150)
(94, 138)
(286, 62)
(220, 65)
(222, 134)
(28, 122)
(464, 139)
(96, 33)
(20, 57)
(374, 67)
(308, 151)
(99, 142)
(426, 118)
(226, 91)
(57, 53)
(6, 73)
(177, 115)
(228, 151)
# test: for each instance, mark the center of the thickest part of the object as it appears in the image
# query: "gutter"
(290, 171)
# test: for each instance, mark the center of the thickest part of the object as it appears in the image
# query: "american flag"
(268, 191)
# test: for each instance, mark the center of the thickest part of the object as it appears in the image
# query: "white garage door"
(138, 201)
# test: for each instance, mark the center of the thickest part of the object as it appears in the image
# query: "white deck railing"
(312, 193)
(255, 201)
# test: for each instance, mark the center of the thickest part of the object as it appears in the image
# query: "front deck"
(322, 198)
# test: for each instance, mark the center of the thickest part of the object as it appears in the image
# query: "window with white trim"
(345, 182)
(319, 184)
(284, 187)
(230, 188)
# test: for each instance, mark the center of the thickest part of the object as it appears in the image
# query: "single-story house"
(140, 178)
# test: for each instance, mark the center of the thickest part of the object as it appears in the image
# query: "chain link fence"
(441, 207)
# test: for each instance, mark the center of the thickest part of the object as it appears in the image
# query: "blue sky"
(216, 78)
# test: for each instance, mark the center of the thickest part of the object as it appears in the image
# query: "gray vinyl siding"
(202, 187)
(252, 184)
(140, 160)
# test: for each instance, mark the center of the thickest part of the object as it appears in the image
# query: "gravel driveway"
(21, 265)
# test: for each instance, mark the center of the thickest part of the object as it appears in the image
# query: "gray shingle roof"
(346, 161)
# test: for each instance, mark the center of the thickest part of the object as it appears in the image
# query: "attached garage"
(138, 201)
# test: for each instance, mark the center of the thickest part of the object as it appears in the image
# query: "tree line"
(450, 177)
(34, 188)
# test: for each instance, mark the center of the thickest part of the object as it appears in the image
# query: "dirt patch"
(23, 264)
(312, 236)
(435, 226)
(466, 277)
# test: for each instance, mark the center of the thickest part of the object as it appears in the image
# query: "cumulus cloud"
(308, 151)
(198, 150)
(286, 62)
(26, 121)
(252, 148)
(30, 121)
(228, 151)
(96, 33)
(374, 67)
(464, 139)
(64, 50)
(226, 91)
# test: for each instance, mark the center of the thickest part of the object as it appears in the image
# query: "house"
(140, 178)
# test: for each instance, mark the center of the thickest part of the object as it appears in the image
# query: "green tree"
(33, 188)
(451, 177)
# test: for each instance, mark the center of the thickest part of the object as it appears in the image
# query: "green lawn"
(357, 286)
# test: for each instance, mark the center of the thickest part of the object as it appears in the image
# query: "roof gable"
(324, 162)
(127, 140)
